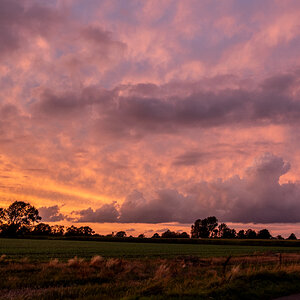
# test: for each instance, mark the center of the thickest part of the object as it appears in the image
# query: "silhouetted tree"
(183, 235)
(155, 236)
(81, 231)
(71, 231)
(292, 237)
(141, 236)
(241, 234)
(264, 234)
(57, 230)
(85, 231)
(279, 237)
(225, 232)
(250, 234)
(169, 234)
(18, 218)
(42, 229)
(120, 234)
(204, 228)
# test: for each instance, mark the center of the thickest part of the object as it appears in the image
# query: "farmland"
(71, 269)
(43, 250)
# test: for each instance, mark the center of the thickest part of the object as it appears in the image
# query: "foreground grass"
(255, 277)
(43, 250)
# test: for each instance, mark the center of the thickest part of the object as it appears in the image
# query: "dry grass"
(75, 262)
(115, 278)
(97, 261)
(2, 258)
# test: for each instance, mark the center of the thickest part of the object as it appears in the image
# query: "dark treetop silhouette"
(20, 217)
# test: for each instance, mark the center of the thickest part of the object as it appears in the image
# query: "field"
(43, 250)
(67, 269)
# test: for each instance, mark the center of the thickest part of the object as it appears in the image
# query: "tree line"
(21, 218)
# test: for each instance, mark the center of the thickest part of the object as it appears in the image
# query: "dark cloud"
(190, 158)
(18, 19)
(106, 213)
(168, 206)
(101, 39)
(258, 197)
(51, 214)
(129, 111)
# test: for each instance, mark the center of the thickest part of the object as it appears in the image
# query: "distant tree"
(292, 237)
(120, 234)
(141, 236)
(57, 230)
(81, 231)
(250, 234)
(155, 236)
(183, 235)
(42, 229)
(2, 215)
(72, 231)
(241, 234)
(225, 232)
(85, 231)
(279, 237)
(204, 228)
(18, 218)
(264, 234)
(169, 234)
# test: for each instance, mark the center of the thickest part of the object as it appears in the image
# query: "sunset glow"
(146, 115)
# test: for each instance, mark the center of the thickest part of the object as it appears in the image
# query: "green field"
(43, 250)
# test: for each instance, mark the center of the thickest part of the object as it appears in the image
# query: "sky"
(147, 115)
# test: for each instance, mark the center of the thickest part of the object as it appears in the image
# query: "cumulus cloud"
(51, 214)
(258, 197)
(20, 19)
(106, 213)
(129, 111)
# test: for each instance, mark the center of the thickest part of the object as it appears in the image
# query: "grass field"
(43, 250)
(66, 269)
(259, 277)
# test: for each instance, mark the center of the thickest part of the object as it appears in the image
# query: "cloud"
(20, 20)
(136, 111)
(106, 213)
(189, 158)
(51, 214)
(258, 198)
(168, 206)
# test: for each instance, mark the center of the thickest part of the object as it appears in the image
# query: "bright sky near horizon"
(146, 115)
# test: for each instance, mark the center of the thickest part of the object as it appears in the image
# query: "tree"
(42, 229)
(169, 234)
(225, 232)
(141, 236)
(81, 231)
(72, 231)
(264, 234)
(85, 231)
(18, 218)
(120, 234)
(204, 228)
(279, 237)
(250, 234)
(155, 236)
(57, 230)
(241, 234)
(183, 235)
(292, 237)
